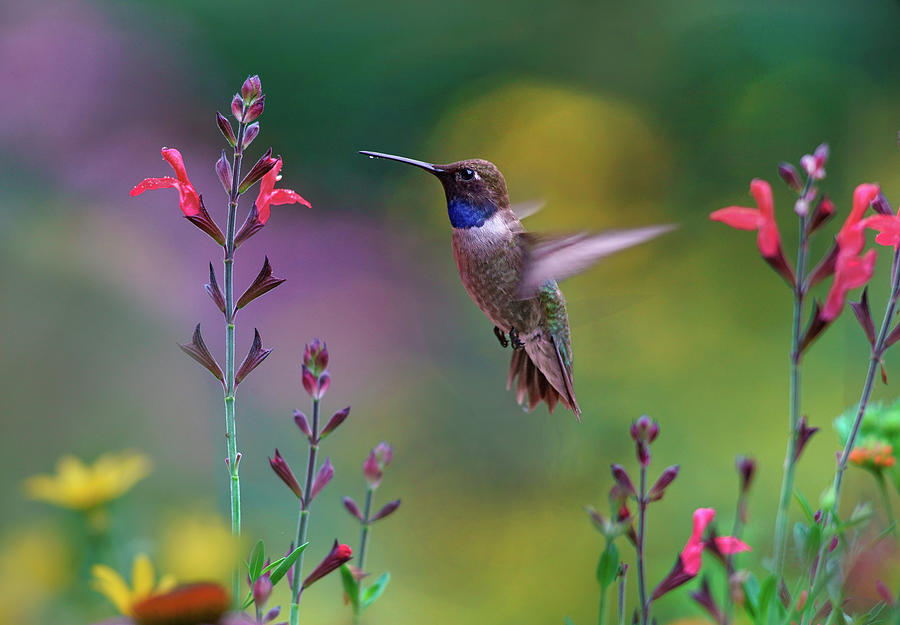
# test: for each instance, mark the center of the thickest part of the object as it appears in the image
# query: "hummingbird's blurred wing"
(527, 209)
(561, 256)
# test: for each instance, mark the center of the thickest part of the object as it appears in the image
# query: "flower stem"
(874, 361)
(886, 499)
(230, 425)
(303, 517)
(601, 611)
(364, 531)
(790, 460)
(620, 608)
(642, 517)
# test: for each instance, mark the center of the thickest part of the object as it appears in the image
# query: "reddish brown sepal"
(825, 268)
(237, 107)
(746, 468)
(259, 169)
(780, 264)
(227, 131)
(676, 577)
(893, 337)
(803, 434)
(881, 205)
(816, 326)
(659, 488)
(353, 509)
(326, 472)
(864, 316)
(335, 421)
(251, 89)
(197, 350)
(203, 221)
(253, 359)
(251, 226)
(822, 214)
(387, 510)
(184, 605)
(263, 283)
(212, 289)
(705, 599)
(283, 471)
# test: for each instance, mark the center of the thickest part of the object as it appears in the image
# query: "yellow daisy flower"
(143, 584)
(82, 487)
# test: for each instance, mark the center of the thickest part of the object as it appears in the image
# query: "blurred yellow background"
(616, 114)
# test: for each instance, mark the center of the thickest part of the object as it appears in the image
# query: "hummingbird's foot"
(515, 340)
(501, 336)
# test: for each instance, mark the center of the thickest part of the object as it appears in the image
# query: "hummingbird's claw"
(501, 336)
(515, 340)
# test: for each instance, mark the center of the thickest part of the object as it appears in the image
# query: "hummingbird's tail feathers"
(541, 375)
(559, 257)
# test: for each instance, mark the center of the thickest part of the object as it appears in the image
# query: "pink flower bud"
(315, 356)
(250, 133)
(335, 421)
(282, 470)
(326, 472)
(659, 488)
(226, 129)
(303, 424)
(620, 475)
(746, 468)
(251, 89)
(388, 509)
(262, 590)
(376, 462)
(790, 176)
(352, 508)
(223, 171)
(237, 107)
(255, 109)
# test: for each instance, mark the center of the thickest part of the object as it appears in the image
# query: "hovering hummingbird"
(512, 275)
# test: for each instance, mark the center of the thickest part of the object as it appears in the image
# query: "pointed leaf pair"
(286, 564)
(263, 283)
(197, 350)
(257, 560)
(253, 359)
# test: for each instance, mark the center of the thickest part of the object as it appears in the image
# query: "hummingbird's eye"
(466, 174)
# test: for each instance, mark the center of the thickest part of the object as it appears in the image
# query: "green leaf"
(608, 566)
(248, 600)
(257, 557)
(272, 565)
(804, 505)
(766, 594)
(351, 587)
(286, 563)
(374, 591)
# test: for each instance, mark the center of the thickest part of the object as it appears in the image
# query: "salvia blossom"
(851, 270)
(691, 558)
(188, 198)
(269, 195)
(761, 219)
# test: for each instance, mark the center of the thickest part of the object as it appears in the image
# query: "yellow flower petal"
(142, 577)
(111, 585)
(166, 584)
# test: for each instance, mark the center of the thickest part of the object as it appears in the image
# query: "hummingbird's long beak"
(402, 159)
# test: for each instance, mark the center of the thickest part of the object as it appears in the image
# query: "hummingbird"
(512, 275)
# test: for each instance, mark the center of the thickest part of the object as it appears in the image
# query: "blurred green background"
(617, 114)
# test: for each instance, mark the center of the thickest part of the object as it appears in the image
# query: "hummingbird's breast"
(490, 259)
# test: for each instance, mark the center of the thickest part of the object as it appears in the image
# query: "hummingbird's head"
(475, 188)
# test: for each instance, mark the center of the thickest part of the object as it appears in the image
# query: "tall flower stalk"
(246, 107)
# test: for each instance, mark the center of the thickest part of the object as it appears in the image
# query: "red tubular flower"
(338, 555)
(851, 270)
(188, 198)
(269, 195)
(691, 558)
(761, 219)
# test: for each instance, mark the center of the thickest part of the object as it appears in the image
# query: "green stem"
(363, 543)
(230, 425)
(886, 499)
(601, 616)
(620, 607)
(642, 517)
(303, 517)
(790, 461)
